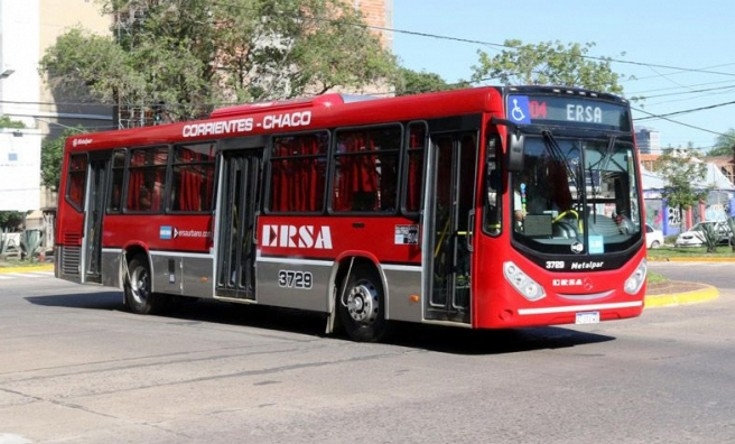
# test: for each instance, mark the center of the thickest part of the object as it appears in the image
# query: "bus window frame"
(79, 207)
(267, 180)
(334, 154)
(165, 202)
(406, 164)
(170, 191)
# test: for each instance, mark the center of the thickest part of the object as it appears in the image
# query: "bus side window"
(192, 180)
(493, 186)
(415, 167)
(366, 170)
(77, 180)
(298, 173)
(146, 183)
(114, 202)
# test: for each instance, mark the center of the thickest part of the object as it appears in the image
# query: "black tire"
(361, 308)
(138, 295)
(655, 244)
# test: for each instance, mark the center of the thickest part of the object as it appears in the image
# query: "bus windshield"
(576, 195)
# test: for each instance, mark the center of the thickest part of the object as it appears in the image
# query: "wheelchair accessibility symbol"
(519, 110)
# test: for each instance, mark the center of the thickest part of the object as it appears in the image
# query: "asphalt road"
(718, 274)
(77, 368)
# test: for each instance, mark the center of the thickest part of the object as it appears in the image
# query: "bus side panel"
(293, 283)
(182, 274)
(166, 272)
(196, 276)
(403, 283)
(111, 270)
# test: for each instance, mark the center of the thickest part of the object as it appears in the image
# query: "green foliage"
(10, 220)
(7, 122)
(547, 63)
(680, 169)
(724, 144)
(412, 82)
(85, 65)
(711, 237)
(52, 154)
(30, 243)
(196, 54)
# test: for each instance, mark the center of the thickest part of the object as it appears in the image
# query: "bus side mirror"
(515, 151)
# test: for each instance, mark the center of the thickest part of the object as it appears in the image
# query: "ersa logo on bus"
(167, 233)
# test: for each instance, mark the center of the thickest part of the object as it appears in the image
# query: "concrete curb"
(704, 294)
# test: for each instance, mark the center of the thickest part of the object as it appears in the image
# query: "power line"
(662, 117)
(502, 45)
(686, 111)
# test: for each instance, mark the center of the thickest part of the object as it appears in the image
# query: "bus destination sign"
(525, 109)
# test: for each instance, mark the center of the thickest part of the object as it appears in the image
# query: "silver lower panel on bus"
(293, 283)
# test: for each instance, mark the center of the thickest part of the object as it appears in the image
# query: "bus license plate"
(588, 317)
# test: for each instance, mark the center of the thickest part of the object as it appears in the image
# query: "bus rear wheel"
(361, 307)
(138, 295)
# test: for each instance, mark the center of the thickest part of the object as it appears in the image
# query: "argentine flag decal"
(166, 232)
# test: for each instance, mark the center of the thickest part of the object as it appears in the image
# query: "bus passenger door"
(94, 212)
(453, 160)
(239, 199)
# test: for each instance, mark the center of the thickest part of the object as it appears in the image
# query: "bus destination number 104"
(300, 280)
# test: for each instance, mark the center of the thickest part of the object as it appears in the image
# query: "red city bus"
(490, 207)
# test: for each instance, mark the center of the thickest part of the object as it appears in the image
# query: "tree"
(412, 82)
(195, 54)
(724, 144)
(7, 122)
(547, 63)
(681, 170)
(10, 220)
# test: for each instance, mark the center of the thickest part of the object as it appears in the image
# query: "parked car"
(654, 237)
(694, 237)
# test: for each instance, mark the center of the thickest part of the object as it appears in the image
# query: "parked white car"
(694, 237)
(654, 237)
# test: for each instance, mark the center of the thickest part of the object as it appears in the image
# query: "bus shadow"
(432, 338)
(105, 300)
(488, 342)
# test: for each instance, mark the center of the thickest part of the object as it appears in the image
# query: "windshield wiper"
(558, 155)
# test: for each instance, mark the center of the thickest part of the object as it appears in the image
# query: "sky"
(681, 53)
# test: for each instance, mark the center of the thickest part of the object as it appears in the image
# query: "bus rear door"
(239, 195)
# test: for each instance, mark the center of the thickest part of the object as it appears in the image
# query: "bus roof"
(324, 111)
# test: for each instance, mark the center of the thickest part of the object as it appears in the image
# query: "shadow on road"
(433, 338)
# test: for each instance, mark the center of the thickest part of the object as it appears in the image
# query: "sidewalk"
(679, 293)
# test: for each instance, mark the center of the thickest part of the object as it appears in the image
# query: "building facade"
(648, 141)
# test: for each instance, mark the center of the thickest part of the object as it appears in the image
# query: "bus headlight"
(634, 283)
(523, 283)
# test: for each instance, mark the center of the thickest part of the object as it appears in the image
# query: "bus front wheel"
(361, 307)
(138, 295)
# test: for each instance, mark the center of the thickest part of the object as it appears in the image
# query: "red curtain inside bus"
(147, 179)
(193, 178)
(77, 180)
(298, 174)
(356, 180)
